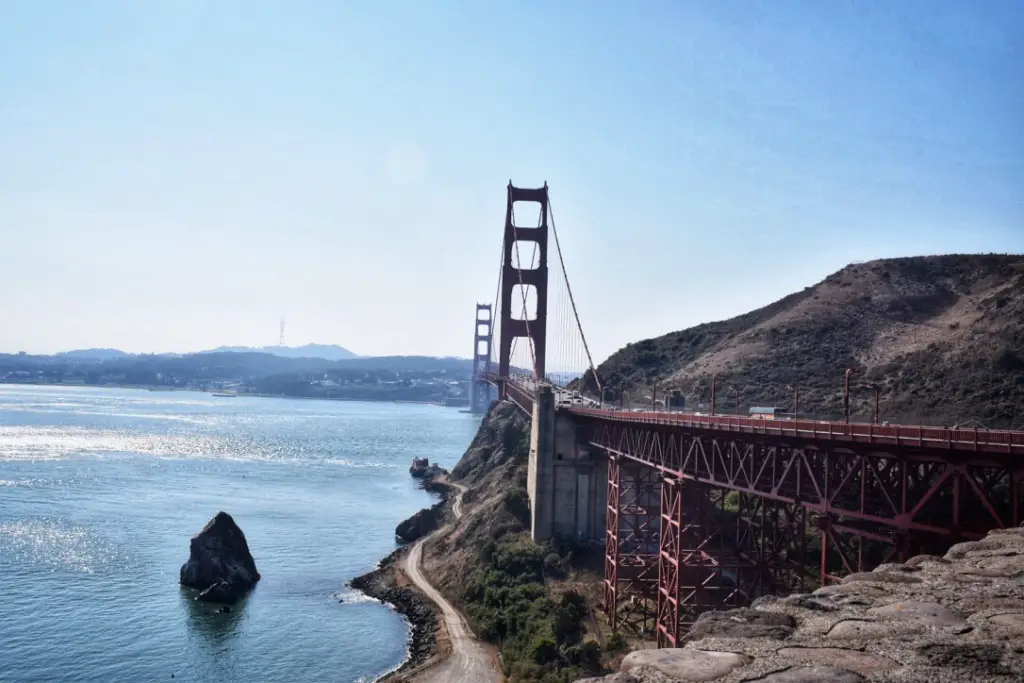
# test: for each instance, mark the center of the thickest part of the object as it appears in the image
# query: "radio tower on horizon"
(280, 341)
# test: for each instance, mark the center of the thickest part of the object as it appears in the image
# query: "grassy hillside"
(941, 336)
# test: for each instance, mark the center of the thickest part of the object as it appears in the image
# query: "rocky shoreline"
(388, 584)
(383, 584)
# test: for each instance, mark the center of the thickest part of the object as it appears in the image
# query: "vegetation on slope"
(942, 337)
(513, 591)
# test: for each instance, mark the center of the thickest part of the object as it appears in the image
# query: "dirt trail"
(470, 661)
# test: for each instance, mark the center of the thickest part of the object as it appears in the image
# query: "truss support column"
(631, 551)
(669, 555)
(611, 544)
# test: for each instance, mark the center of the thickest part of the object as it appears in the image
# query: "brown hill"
(941, 336)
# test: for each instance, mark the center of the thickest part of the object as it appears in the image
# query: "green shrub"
(586, 655)
(616, 643)
(543, 650)
(508, 603)
(553, 565)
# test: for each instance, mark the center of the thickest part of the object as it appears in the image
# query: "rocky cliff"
(955, 619)
(941, 336)
(493, 469)
(531, 601)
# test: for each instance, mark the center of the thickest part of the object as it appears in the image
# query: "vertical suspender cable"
(572, 300)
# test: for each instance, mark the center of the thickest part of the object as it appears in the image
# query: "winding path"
(470, 660)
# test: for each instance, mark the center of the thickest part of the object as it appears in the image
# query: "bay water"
(101, 490)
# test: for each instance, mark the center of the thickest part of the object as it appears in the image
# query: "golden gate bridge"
(701, 511)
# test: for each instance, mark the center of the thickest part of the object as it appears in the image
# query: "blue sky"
(177, 174)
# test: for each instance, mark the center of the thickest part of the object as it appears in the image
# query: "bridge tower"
(520, 274)
(479, 389)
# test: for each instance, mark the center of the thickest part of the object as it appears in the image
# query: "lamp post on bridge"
(846, 393)
(714, 386)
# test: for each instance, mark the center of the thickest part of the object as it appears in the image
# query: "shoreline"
(388, 584)
(169, 390)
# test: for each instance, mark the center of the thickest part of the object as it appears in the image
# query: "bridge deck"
(966, 440)
(973, 440)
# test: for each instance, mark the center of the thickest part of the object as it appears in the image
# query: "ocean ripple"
(60, 546)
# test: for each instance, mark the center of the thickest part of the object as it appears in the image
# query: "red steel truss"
(742, 515)
(631, 545)
(722, 550)
(670, 554)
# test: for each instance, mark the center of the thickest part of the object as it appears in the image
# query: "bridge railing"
(519, 394)
(980, 440)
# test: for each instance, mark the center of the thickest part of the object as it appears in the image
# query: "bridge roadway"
(971, 440)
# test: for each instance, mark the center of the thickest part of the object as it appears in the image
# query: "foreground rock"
(433, 479)
(420, 524)
(219, 563)
(952, 619)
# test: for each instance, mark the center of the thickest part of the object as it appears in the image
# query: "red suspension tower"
(479, 389)
(519, 273)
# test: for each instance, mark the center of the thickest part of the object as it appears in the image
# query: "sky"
(179, 174)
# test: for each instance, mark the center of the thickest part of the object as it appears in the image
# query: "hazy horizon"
(176, 175)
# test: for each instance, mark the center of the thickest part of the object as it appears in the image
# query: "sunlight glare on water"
(101, 489)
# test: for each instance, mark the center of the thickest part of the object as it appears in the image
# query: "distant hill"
(94, 354)
(941, 336)
(324, 351)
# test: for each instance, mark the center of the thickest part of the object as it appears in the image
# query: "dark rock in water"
(419, 525)
(219, 562)
(422, 469)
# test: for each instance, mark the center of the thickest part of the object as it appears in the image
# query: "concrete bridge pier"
(566, 481)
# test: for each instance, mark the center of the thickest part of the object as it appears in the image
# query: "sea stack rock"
(422, 469)
(419, 467)
(219, 562)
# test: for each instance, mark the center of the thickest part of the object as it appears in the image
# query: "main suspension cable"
(572, 300)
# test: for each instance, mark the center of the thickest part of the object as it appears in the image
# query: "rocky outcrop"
(958, 618)
(422, 469)
(219, 563)
(420, 524)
